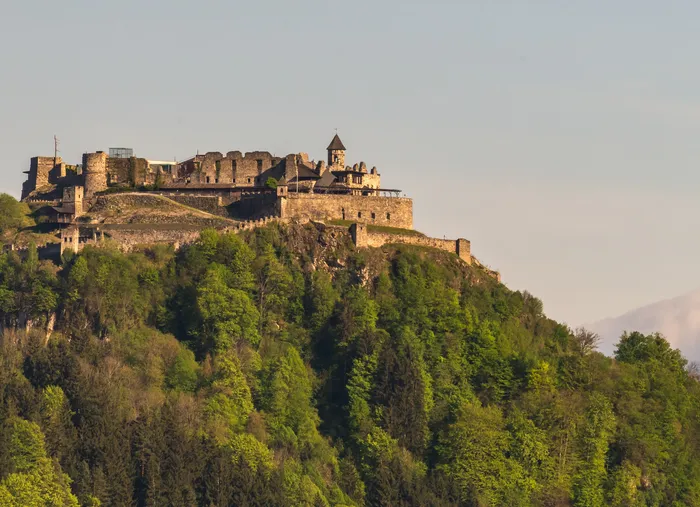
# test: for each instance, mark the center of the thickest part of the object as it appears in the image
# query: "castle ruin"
(248, 188)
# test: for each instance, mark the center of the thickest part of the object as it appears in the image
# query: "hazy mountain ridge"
(678, 319)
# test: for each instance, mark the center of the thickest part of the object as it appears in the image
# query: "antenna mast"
(55, 150)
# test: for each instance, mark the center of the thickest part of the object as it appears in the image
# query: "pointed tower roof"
(336, 144)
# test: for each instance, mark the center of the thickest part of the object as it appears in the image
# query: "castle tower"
(95, 171)
(42, 172)
(73, 198)
(336, 152)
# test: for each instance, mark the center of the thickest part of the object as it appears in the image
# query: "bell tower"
(336, 153)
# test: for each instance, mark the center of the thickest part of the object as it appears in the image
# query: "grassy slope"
(152, 209)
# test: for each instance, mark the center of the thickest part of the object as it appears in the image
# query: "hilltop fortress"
(231, 191)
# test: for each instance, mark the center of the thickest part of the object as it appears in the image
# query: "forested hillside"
(284, 367)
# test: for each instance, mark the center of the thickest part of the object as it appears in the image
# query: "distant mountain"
(678, 319)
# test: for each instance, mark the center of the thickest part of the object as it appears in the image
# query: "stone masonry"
(386, 211)
(365, 238)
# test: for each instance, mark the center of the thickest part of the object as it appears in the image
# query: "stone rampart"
(363, 237)
(129, 238)
(254, 206)
(375, 210)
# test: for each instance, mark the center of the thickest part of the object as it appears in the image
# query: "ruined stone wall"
(224, 171)
(128, 239)
(249, 170)
(70, 240)
(118, 171)
(140, 173)
(386, 211)
(233, 168)
(364, 237)
(458, 247)
(208, 169)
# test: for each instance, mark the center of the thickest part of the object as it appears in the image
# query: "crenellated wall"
(233, 168)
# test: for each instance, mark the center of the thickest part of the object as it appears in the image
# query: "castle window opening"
(359, 214)
(207, 179)
(357, 179)
(260, 165)
(374, 216)
(248, 180)
(388, 216)
(343, 212)
(234, 180)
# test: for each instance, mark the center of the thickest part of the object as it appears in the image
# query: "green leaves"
(282, 367)
(596, 433)
(35, 480)
(228, 314)
(13, 215)
(229, 402)
(473, 453)
(25, 444)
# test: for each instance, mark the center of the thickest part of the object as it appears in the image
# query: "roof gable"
(336, 144)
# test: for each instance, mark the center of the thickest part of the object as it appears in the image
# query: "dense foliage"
(246, 371)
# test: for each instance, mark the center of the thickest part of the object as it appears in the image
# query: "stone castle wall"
(254, 206)
(232, 168)
(362, 237)
(129, 171)
(128, 239)
(386, 211)
(118, 170)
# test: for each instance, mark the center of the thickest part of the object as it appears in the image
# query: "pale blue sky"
(559, 137)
